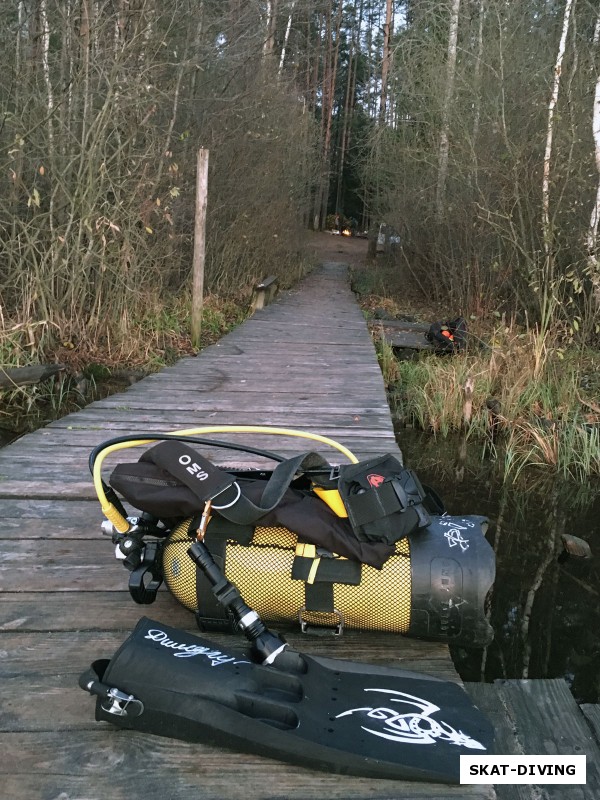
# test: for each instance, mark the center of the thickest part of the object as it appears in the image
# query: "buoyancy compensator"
(363, 545)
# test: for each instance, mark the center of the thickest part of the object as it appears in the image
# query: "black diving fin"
(340, 716)
(323, 713)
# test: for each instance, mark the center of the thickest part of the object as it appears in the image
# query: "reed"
(520, 395)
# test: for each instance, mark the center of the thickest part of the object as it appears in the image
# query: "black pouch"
(384, 500)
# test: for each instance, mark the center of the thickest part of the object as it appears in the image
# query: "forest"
(472, 127)
(469, 127)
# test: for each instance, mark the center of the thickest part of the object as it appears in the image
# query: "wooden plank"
(25, 508)
(27, 376)
(592, 714)
(317, 399)
(406, 340)
(75, 447)
(306, 361)
(546, 720)
(105, 763)
(351, 429)
(334, 423)
(41, 654)
(73, 455)
(399, 325)
(96, 610)
(74, 458)
(64, 565)
(485, 697)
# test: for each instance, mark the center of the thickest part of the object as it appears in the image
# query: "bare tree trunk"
(85, 53)
(286, 37)
(477, 89)
(592, 235)
(46, 70)
(16, 170)
(546, 224)
(385, 63)
(199, 245)
(444, 147)
(269, 44)
(329, 118)
(324, 28)
(20, 25)
(345, 124)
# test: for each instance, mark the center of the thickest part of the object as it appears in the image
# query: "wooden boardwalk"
(306, 361)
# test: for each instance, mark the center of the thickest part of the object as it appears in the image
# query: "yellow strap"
(313, 571)
(306, 550)
(333, 499)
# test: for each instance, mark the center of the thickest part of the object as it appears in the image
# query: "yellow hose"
(121, 523)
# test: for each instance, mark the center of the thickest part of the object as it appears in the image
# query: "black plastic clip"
(146, 580)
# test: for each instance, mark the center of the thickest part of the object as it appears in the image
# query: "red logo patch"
(375, 480)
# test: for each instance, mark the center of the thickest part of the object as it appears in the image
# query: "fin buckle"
(121, 704)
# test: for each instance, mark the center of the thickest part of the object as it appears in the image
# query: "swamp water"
(545, 610)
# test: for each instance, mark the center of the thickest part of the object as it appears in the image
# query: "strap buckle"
(322, 630)
(121, 704)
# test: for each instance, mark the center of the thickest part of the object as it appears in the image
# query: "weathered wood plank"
(306, 361)
(400, 324)
(162, 421)
(485, 697)
(406, 340)
(42, 654)
(105, 763)
(27, 376)
(63, 511)
(24, 611)
(539, 717)
(87, 438)
(316, 398)
(592, 714)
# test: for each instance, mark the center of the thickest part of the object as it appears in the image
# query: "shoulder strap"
(208, 482)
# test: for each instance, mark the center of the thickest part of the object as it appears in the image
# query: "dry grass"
(520, 394)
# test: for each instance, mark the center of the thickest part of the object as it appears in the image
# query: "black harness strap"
(211, 614)
(208, 482)
(319, 597)
(320, 571)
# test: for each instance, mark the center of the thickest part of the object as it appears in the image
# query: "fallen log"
(27, 376)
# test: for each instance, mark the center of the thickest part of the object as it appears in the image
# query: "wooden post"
(199, 245)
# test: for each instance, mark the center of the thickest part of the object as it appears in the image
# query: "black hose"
(161, 437)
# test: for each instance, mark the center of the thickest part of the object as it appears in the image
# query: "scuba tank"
(363, 545)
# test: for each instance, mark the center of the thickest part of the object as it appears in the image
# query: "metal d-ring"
(233, 502)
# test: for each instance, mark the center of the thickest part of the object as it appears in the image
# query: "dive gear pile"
(201, 522)
(449, 336)
(362, 545)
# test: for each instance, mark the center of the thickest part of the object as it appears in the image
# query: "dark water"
(545, 611)
(75, 394)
